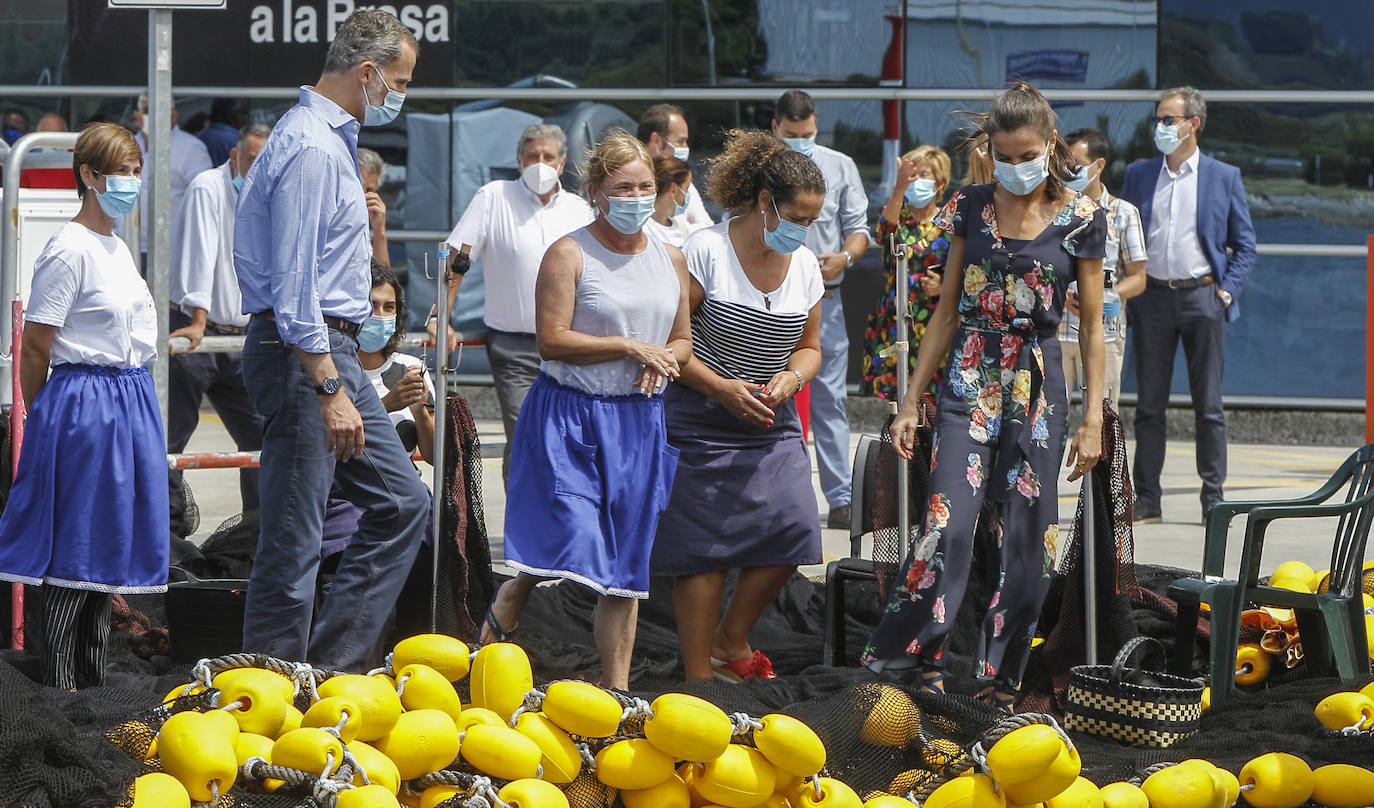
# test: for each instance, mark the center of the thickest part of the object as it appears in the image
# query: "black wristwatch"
(329, 386)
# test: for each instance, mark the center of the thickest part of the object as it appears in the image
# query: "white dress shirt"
(1173, 251)
(189, 158)
(203, 274)
(87, 286)
(506, 223)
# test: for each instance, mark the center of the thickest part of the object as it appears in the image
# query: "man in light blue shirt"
(838, 238)
(302, 255)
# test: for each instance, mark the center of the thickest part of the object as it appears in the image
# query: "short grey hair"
(261, 130)
(543, 131)
(370, 161)
(367, 36)
(1193, 104)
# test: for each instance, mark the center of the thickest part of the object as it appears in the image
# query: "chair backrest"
(1352, 532)
(864, 487)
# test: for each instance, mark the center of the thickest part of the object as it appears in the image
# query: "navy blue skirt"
(743, 495)
(590, 474)
(88, 509)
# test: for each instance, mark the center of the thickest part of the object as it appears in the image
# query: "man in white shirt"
(1201, 246)
(189, 158)
(509, 224)
(206, 301)
(663, 130)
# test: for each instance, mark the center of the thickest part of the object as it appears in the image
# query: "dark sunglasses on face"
(1167, 120)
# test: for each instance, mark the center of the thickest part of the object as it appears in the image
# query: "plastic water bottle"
(1113, 320)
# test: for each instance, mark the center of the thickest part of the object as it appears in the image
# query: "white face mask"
(539, 177)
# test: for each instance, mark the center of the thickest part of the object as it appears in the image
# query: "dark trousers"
(219, 377)
(298, 471)
(514, 360)
(76, 632)
(1161, 318)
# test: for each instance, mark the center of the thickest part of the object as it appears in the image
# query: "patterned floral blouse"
(928, 245)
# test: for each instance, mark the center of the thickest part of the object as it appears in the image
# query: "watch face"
(330, 385)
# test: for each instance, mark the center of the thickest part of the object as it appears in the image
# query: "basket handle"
(1124, 655)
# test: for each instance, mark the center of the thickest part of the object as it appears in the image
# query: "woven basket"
(1133, 705)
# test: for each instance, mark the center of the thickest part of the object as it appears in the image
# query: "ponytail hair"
(1024, 107)
(753, 161)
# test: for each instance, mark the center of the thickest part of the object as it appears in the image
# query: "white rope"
(328, 764)
(386, 667)
(237, 704)
(357, 767)
(588, 759)
(534, 700)
(401, 685)
(816, 786)
(741, 723)
(637, 708)
(303, 675)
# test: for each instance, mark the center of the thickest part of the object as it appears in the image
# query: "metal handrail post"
(441, 348)
(901, 301)
(10, 337)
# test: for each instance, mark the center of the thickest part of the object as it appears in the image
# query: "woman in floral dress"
(922, 175)
(1001, 422)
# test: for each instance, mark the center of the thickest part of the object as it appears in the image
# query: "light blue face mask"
(786, 237)
(629, 213)
(802, 145)
(682, 152)
(680, 209)
(238, 182)
(1080, 180)
(1167, 139)
(920, 192)
(387, 112)
(1021, 178)
(121, 195)
(376, 333)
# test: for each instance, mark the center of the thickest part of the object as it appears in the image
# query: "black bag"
(1133, 705)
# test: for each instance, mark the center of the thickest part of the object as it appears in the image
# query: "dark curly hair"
(381, 274)
(753, 161)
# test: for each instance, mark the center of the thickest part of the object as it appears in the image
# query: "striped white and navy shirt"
(738, 330)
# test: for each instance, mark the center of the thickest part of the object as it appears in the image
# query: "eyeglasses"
(1167, 120)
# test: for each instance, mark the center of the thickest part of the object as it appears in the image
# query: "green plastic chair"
(1331, 623)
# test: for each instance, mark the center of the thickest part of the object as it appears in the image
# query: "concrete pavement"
(1257, 471)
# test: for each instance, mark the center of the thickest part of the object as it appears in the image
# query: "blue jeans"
(829, 420)
(297, 473)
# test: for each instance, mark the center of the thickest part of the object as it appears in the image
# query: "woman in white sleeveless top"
(591, 468)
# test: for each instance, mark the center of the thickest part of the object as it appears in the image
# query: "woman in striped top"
(743, 497)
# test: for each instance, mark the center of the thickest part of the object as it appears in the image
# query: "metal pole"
(901, 301)
(157, 128)
(441, 348)
(1089, 548)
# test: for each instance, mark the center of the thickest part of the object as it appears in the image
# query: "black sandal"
(1004, 697)
(501, 634)
(933, 680)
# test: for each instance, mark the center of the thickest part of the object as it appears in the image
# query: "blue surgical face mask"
(1167, 139)
(1081, 180)
(680, 208)
(238, 182)
(629, 213)
(682, 152)
(801, 145)
(11, 135)
(121, 195)
(376, 333)
(786, 237)
(1021, 178)
(387, 112)
(920, 192)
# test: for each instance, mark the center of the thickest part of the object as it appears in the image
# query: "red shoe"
(757, 666)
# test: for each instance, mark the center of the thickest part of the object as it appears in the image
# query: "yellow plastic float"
(500, 678)
(330, 712)
(1123, 795)
(688, 728)
(740, 777)
(561, 760)
(198, 753)
(634, 764)
(1343, 710)
(1033, 764)
(532, 794)
(1280, 780)
(834, 794)
(1252, 664)
(1181, 787)
(894, 718)
(380, 769)
(582, 709)
(374, 695)
(973, 791)
(671, 793)
(1081, 793)
(501, 752)
(160, 790)
(790, 745)
(367, 797)
(308, 749)
(422, 741)
(445, 654)
(423, 687)
(1343, 786)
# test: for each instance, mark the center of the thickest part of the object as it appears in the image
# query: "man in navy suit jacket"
(1200, 247)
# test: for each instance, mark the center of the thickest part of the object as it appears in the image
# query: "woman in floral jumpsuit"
(1001, 424)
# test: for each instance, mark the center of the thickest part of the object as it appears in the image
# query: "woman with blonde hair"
(922, 176)
(590, 464)
(87, 516)
(743, 497)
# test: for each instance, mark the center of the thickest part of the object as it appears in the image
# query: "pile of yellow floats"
(401, 736)
(1278, 627)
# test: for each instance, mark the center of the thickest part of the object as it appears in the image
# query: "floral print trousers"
(999, 436)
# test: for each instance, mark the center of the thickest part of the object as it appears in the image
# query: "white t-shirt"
(712, 261)
(387, 374)
(88, 286)
(666, 233)
(510, 229)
